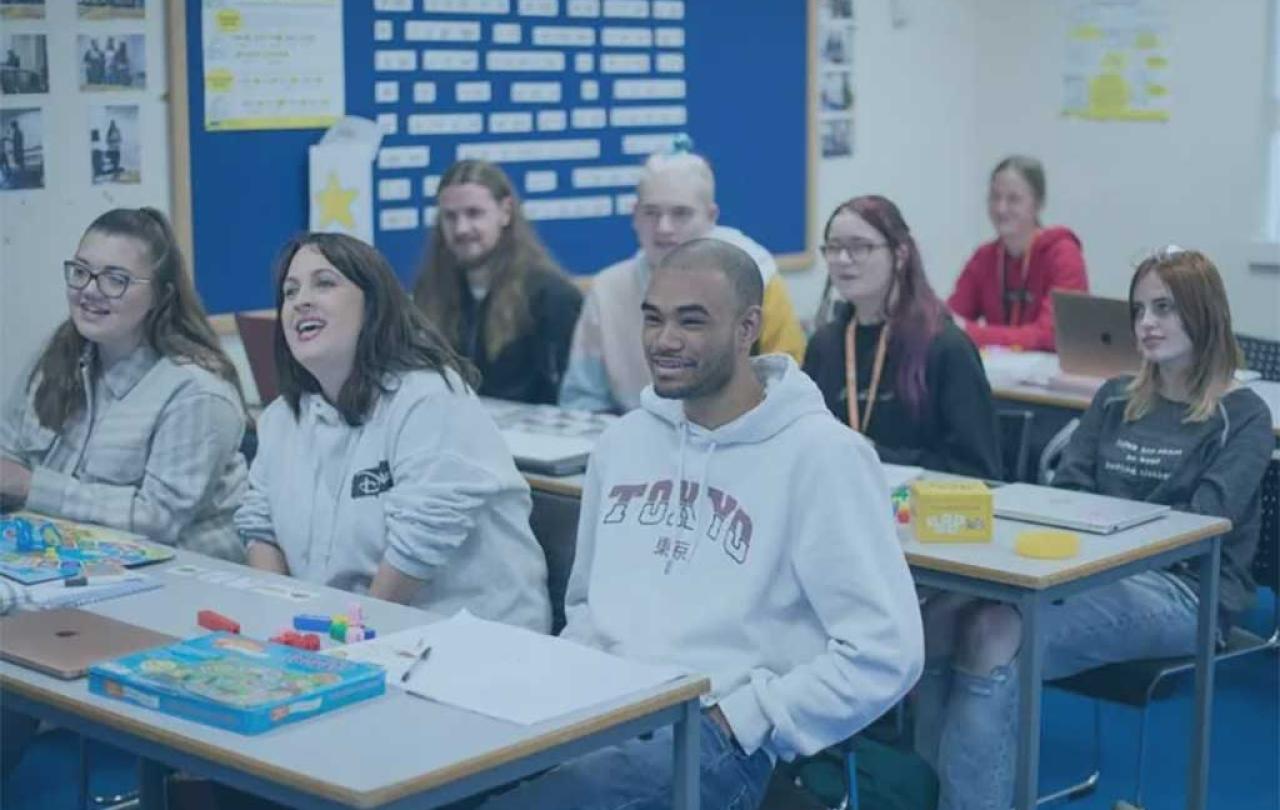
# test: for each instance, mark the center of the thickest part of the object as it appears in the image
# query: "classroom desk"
(994, 571)
(394, 751)
(1022, 377)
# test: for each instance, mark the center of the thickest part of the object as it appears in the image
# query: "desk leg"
(686, 774)
(151, 785)
(1206, 638)
(1030, 665)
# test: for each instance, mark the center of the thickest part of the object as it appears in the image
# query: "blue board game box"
(236, 683)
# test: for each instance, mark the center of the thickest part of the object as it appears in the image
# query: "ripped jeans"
(967, 723)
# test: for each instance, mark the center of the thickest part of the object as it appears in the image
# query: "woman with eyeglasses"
(131, 417)
(1182, 433)
(890, 363)
(1004, 295)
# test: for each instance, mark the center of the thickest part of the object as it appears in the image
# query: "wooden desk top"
(997, 562)
(366, 754)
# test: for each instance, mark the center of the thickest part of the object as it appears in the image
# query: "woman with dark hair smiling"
(891, 363)
(378, 470)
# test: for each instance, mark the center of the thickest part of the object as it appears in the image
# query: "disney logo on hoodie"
(371, 482)
(650, 504)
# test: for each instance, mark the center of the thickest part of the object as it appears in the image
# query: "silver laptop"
(1085, 511)
(1094, 335)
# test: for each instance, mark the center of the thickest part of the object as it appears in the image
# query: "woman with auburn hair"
(1182, 432)
(132, 416)
(890, 363)
(491, 287)
(378, 471)
(1004, 295)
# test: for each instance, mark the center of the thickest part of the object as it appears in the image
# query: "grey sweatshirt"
(1214, 467)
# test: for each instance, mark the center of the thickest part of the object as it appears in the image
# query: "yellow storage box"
(951, 511)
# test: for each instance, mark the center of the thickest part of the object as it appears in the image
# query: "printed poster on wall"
(272, 65)
(1117, 60)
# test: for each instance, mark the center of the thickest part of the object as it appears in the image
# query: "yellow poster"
(272, 64)
(1117, 60)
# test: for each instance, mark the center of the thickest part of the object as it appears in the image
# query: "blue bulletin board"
(568, 95)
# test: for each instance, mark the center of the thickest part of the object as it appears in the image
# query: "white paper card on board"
(535, 92)
(539, 182)
(669, 37)
(450, 60)
(583, 8)
(506, 33)
(398, 219)
(468, 6)
(515, 151)
(438, 31)
(404, 157)
(552, 120)
(624, 63)
(633, 9)
(394, 60)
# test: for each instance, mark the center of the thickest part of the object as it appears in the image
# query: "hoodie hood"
(789, 394)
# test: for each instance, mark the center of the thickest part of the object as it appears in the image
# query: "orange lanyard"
(861, 424)
(1019, 295)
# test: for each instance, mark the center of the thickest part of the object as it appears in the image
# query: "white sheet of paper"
(507, 672)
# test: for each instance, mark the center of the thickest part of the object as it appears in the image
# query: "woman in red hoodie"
(1003, 295)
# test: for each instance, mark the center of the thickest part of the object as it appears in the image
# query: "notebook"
(546, 454)
(1084, 511)
(1094, 335)
(65, 642)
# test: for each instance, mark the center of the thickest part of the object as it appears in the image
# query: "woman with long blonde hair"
(1184, 433)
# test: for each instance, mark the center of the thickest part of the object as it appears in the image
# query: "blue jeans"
(637, 775)
(967, 723)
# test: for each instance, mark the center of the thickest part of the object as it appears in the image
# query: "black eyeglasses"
(112, 281)
(854, 251)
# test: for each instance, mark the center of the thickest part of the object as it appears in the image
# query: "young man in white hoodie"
(732, 527)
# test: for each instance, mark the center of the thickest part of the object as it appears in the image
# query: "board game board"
(236, 683)
(34, 548)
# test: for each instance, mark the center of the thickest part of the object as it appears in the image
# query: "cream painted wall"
(963, 84)
(41, 228)
(916, 105)
(1127, 188)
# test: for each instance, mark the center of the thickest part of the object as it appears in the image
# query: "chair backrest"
(1262, 355)
(554, 521)
(1015, 442)
(1052, 453)
(1266, 561)
(257, 333)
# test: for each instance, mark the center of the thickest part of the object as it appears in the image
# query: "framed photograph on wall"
(112, 61)
(115, 144)
(111, 9)
(21, 149)
(24, 64)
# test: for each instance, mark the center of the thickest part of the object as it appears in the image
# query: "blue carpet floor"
(1244, 770)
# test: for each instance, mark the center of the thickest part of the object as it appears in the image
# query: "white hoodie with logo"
(426, 483)
(776, 571)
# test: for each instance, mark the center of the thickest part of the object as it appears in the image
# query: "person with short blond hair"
(675, 202)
